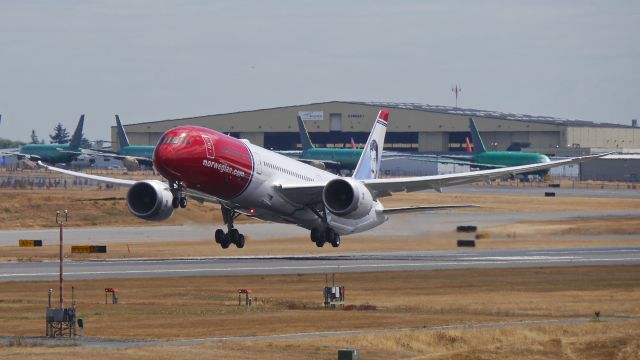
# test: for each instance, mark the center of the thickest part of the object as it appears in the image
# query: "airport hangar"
(412, 127)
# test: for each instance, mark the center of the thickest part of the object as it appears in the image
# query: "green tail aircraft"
(132, 156)
(54, 153)
(483, 159)
(331, 158)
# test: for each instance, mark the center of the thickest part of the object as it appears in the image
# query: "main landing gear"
(233, 236)
(179, 197)
(327, 235)
(324, 234)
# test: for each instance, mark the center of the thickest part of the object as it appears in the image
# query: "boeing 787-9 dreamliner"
(247, 179)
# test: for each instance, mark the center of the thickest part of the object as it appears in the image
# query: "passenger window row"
(288, 172)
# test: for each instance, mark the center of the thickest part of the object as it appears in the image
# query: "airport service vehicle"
(243, 178)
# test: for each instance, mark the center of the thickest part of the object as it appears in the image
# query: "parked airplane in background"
(53, 153)
(335, 159)
(329, 158)
(132, 156)
(480, 158)
(247, 179)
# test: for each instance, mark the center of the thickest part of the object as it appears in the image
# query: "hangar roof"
(489, 114)
(438, 109)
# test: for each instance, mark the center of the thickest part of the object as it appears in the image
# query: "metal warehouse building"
(412, 127)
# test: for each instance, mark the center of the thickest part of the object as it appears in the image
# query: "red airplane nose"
(164, 160)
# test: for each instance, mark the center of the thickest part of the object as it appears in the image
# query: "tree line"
(60, 136)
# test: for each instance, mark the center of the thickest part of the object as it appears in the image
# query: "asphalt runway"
(305, 264)
(418, 224)
(399, 225)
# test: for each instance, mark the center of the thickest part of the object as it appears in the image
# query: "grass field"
(92, 207)
(201, 307)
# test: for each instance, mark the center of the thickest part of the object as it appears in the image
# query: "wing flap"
(413, 209)
(304, 194)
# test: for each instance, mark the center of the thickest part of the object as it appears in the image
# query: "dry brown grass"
(599, 341)
(36, 208)
(207, 306)
(198, 307)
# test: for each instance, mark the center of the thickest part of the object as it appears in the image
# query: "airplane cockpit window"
(181, 139)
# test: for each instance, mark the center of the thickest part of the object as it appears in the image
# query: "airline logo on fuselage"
(208, 145)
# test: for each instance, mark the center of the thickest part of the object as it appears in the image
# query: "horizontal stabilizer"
(411, 209)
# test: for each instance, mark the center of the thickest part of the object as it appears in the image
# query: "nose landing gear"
(233, 236)
(179, 197)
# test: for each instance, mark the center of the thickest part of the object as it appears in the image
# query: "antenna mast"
(457, 89)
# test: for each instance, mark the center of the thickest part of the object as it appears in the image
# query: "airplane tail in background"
(305, 140)
(76, 139)
(467, 145)
(122, 135)
(369, 164)
(478, 145)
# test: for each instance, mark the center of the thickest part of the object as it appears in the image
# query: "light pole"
(61, 221)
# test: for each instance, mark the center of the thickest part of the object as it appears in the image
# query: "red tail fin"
(468, 144)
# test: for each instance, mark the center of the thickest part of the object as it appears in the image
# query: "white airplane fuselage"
(247, 176)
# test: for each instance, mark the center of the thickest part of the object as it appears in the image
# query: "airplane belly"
(269, 205)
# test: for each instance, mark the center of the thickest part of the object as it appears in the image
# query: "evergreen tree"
(34, 137)
(60, 135)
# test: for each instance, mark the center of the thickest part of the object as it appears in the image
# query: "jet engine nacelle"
(131, 164)
(347, 197)
(150, 200)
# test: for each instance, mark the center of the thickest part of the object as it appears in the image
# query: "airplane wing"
(102, 179)
(411, 209)
(385, 187)
(291, 153)
(311, 193)
(19, 155)
(295, 154)
(141, 159)
(328, 163)
(194, 194)
(458, 162)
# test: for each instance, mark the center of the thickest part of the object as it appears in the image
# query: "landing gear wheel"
(234, 235)
(225, 242)
(315, 234)
(320, 243)
(219, 236)
(335, 242)
(175, 202)
(240, 243)
(183, 202)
